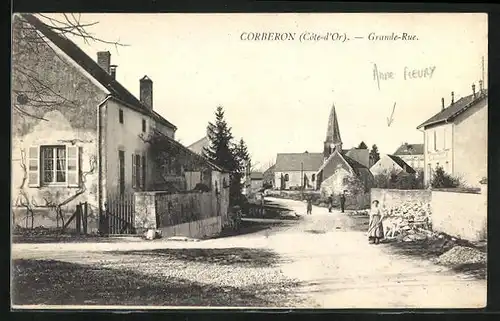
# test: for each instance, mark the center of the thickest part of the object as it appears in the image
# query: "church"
(332, 171)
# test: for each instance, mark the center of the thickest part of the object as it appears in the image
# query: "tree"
(221, 150)
(362, 145)
(374, 154)
(227, 155)
(242, 156)
(31, 89)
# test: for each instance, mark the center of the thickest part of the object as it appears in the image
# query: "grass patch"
(49, 282)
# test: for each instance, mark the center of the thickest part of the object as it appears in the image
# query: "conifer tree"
(374, 154)
(220, 151)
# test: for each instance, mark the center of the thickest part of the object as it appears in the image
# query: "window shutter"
(134, 165)
(143, 172)
(73, 166)
(33, 168)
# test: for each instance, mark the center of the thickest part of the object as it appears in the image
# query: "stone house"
(294, 170)
(87, 144)
(411, 154)
(256, 180)
(391, 164)
(456, 138)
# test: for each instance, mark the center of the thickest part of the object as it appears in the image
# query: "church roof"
(333, 131)
(298, 161)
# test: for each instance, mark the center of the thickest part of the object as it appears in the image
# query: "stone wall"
(463, 215)
(191, 214)
(395, 197)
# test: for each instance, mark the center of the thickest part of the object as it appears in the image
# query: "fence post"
(85, 216)
(79, 218)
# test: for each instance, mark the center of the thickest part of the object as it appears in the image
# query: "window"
(286, 177)
(53, 165)
(313, 177)
(448, 138)
(434, 142)
(345, 180)
(120, 116)
(429, 141)
(143, 125)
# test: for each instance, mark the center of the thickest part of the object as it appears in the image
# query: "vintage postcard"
(249, 160)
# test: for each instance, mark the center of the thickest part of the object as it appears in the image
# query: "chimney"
(103, 60)
(474, 90)
(481, 86)
(146, 92)
(442, 103)
(452, 97)
(112, 71)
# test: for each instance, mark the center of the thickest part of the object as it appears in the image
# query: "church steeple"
(333, 141)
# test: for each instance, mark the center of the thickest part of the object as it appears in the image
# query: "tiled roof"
(355, 165)
(401, 163)
(455, 109)
(410, 149)
(91, 66)
(298, 161)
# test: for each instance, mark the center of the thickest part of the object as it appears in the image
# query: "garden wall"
(190, 214)
(396, 197)
(463, 215)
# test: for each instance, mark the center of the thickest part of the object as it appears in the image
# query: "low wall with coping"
(463, 215)
(190, 214)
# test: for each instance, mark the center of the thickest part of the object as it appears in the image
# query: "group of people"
(375, 226)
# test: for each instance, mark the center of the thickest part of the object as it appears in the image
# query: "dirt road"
(325, 252)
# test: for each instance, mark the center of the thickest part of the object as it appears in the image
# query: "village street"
(329, 259)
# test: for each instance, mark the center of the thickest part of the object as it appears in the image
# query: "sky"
(277, 95)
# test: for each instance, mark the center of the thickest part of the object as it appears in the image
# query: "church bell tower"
(333, 141)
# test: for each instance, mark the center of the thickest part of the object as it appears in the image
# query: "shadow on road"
(61, 283)
(247, 257)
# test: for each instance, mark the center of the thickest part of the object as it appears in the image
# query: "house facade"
(456, 139)
(296, 170)
(391, 164)
(411, 154)
(256, 181)
(77, 134)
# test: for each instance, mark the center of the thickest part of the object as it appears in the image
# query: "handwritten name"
(408, 74)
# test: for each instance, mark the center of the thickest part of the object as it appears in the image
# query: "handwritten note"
(408, 73)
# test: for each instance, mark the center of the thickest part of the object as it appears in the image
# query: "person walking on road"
(309, 206)
(342, 201)
(330, 203)
(375, 227)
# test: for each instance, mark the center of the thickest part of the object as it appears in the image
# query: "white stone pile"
(411, 220)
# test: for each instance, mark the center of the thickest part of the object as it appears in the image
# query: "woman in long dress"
(375, 227)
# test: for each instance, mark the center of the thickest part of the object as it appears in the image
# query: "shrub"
(400, 181)
(441, 179)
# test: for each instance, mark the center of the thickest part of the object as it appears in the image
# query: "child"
(309, 206)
